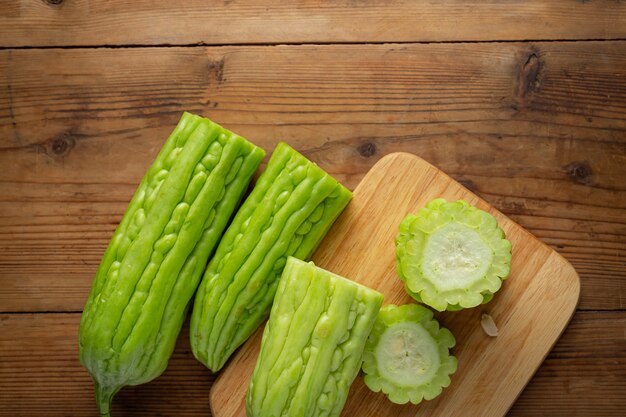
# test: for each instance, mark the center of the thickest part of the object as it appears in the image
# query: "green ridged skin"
(290, 209)
(156, 257)
(451, 255)
(312, 345)
(407, 355)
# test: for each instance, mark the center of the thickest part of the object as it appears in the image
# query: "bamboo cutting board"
(531, 310)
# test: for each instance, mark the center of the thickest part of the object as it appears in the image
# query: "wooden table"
(523, 102)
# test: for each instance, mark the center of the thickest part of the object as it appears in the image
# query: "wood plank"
(535, 129)
(590, 354)
(218, 22)
(584, 375)
(40, 374)
(360, 246)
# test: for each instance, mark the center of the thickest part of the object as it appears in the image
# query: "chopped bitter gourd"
(452, 255)
(155, 259)
(407, 355)
(312, 345)
(290, 209)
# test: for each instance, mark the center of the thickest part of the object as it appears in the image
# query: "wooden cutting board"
(531, 310)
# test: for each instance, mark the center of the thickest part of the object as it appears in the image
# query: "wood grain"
(40, 374)
(538, 129)
(584, 375)
(150, 22)
(360, 246)
(535, 129)
(600, 332)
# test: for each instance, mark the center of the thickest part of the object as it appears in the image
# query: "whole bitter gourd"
(312, 345)
(290, 209)
(155, 259)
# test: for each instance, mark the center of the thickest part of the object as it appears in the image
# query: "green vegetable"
(156, 257)
(407, 355)
(289, 211)
(312, 345)
(452, 255)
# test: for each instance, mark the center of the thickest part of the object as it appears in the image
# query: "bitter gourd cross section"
(451, 255)
(154, 262)
(312, 345)
(407, 355)
(290, 209)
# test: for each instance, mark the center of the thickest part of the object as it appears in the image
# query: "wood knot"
(529, 74)
(61, 145)
(528, 80)
(216, 70)
(367, 149)
(580, 172)
(53, 2)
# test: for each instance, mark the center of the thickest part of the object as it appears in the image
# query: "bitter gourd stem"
(104, 396)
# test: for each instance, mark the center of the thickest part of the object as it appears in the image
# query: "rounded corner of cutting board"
(406, 156)
(569, 273)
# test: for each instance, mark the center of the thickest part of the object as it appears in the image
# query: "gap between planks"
(216, 45)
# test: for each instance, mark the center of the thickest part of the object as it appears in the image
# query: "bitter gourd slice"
(452, 255)
(312, 345)
(407, 355)
(290, 209)
(156, 257)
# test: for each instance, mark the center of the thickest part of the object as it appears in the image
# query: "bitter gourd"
(407, 355)
(290, 209)
(156, 257)
(312, 345)
(452, 255)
